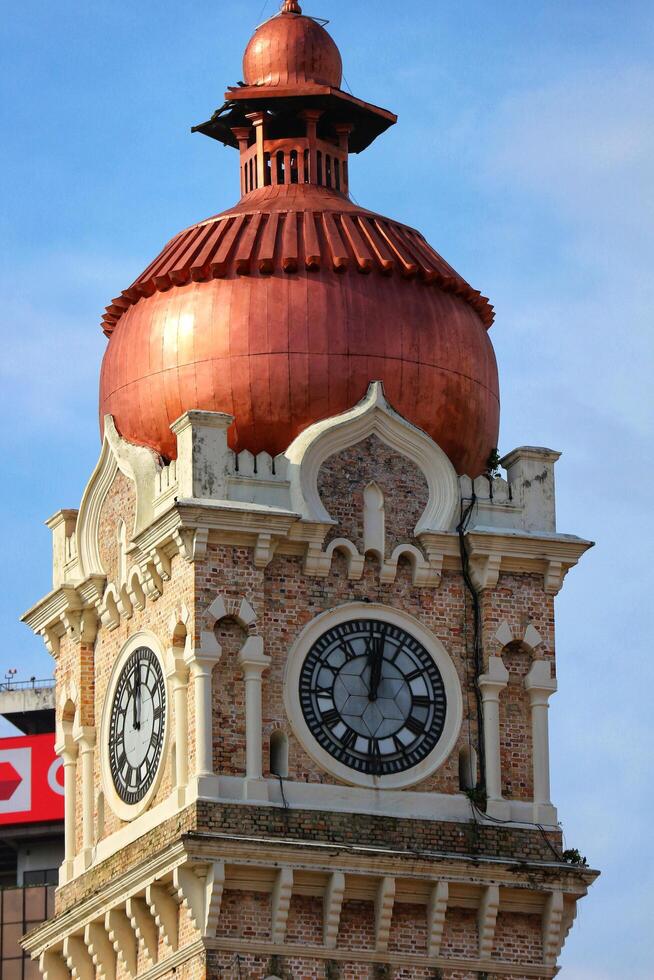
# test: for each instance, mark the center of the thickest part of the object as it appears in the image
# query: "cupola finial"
(291, 7)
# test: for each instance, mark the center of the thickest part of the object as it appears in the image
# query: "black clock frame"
(130, 785)
(424, 721)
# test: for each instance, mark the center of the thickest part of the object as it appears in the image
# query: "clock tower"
(303, 627)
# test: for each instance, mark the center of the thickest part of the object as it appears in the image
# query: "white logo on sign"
(21, 762)
(53, 773)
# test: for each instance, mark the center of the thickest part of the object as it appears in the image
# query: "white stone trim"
(332, 907)
(487, 920)
(101, 950)
(436, 912)
(120, 808)
(145, 929)
(119, 930)
(353, 610)
(280, 903)
(384, 902)
(372, 416)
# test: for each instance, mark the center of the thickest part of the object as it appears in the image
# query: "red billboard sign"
(31, 780)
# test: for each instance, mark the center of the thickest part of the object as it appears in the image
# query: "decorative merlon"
(530, 472)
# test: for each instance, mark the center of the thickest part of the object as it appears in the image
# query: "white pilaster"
(179, 677)
(67, 750)
(85, 740)
(540, 686)
(253, 661)
(491, 684)
(202, 663)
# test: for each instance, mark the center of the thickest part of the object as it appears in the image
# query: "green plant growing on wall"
(493, 464)
(572, 856)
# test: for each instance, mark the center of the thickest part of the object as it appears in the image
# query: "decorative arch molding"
(372, 416)
(528, 637)
(355, 561)
(423, 573)
(139, 465)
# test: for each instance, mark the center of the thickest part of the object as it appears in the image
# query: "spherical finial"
(291, 7)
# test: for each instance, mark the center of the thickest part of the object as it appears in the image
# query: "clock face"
(137, 725)
(373, 697)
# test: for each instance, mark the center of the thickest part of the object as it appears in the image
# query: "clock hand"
(137, 698)
(371, 651)
(376, 668)
(133, 685)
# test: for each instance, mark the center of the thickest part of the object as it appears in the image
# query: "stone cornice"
(492, 551)
(117, 888)
(69, 608)
(319, 856)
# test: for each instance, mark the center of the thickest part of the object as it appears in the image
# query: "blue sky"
(524, 153)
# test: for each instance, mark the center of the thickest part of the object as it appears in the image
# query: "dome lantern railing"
(305, 159)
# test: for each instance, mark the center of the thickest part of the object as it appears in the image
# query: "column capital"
(539, 682)
(202, 660)
(84, 737)
(179, 671)
(494, 680)
(251, 658)
(66, 748)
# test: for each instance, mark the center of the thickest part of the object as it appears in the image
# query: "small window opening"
(337, 174)
(319, 168)
(267, 170)
(307, 175)
(280, 167)
(294, 179)
(279, 754)
(328, 169)
(467, 768)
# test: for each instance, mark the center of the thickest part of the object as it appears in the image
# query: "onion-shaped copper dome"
(282, 310)
(291, 50)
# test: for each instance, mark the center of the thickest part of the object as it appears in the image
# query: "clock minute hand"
(137, 698)
(376, 666)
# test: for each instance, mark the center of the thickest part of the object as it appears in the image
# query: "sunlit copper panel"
(281, 316)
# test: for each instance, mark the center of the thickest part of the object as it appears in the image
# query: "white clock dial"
(137, 725)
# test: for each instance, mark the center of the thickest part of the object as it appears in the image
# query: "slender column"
(257, 120)
(540, 686)
(253, 662)
(311, 117)
(67, 750)
(202, 666)
(242, 134)
(491, 684)
(85, 739)
(343, 131)
(179, 682)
